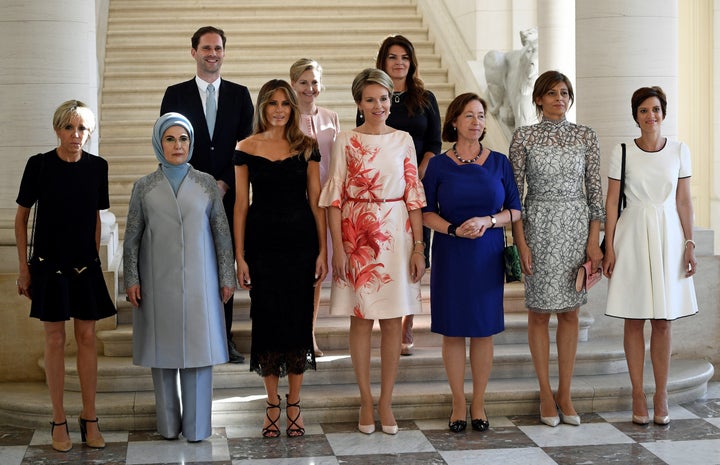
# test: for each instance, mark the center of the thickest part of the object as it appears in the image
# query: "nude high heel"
(61, 446)
(641, 420)
(97, 443)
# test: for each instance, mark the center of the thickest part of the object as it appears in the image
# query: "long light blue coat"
(179, 249)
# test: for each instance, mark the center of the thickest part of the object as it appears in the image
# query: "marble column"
(715, 167)
(49, 57)
(556, 40)
(621, 46)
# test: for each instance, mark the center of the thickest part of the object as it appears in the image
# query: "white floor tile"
(583, 435)
(713, 421)
(523, 456)
(379, 443)
(43, 437)
(12, 455)
(705, 452)
(676, 412)
(180, 451)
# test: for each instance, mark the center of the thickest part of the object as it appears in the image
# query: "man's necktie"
(210, 109)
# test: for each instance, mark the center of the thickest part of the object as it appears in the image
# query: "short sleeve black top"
(69, 195)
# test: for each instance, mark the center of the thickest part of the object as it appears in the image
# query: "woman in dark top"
(280, 247)
(64, 279)
(413, 109)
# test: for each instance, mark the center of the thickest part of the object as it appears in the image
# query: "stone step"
(513, 297)
(337, 74)
(248, 29)
(340, 100)
(28, 404)
(228, 9)
(288, 49)
(511, 361)
(331, 333)
(177, 64)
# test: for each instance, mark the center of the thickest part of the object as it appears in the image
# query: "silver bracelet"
(690, 241)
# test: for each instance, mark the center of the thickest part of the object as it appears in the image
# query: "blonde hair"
(71, 108)
(370, 76)
(302, 65)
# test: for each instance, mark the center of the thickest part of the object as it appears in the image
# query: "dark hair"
(644, 93)
(299, 142)
(547, 81)
(416, 99)
(455, 109)
(206, 30)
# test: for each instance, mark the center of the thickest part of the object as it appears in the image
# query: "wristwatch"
(451, 230)
(493, 220)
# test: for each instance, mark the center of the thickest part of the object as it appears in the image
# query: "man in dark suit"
(221, 113)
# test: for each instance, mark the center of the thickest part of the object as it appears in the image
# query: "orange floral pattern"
(365, 170)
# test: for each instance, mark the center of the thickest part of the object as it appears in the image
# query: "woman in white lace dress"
(557, 165)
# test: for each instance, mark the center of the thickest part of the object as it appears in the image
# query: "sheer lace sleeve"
(593, 185)
(517, 158)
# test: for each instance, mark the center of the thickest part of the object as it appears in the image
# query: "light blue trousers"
(184, 407)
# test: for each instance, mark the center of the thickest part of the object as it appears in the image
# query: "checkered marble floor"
(691, 438)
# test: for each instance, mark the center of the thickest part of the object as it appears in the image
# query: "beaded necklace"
(472, 160)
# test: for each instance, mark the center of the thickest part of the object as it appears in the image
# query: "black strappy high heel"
(293, 430)
(97, 443)
(272, 430)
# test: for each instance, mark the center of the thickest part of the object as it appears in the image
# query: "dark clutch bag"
(513, 272)
(512, 264)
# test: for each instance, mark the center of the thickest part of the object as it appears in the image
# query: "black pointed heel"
(457, 426)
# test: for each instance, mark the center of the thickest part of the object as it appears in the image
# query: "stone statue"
(510, 78)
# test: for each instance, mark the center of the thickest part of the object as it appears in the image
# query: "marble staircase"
(125, 398)
(145, 53)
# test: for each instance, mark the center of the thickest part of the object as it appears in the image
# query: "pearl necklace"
(473, 160)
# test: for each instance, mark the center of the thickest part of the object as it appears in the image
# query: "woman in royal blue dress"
(471, 194)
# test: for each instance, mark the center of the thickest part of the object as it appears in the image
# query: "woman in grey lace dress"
(179, 269)
(559, 162)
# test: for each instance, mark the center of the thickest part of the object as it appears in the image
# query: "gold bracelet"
(422, 243)
(419, 253)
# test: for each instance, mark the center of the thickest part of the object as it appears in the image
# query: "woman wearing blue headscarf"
(179, 270)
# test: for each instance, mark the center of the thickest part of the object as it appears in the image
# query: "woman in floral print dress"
(559, 162)
(374, 197)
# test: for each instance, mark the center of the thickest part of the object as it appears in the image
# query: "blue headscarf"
(174, 173)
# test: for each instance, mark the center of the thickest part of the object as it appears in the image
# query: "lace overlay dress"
(559, 162)
(281, 247)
